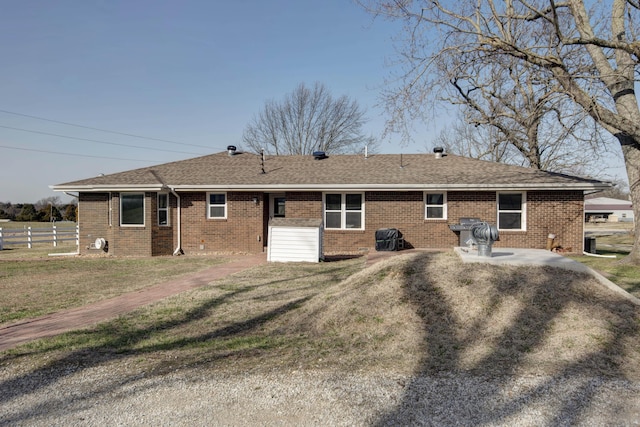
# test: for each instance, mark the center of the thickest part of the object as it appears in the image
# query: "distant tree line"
(45, 210)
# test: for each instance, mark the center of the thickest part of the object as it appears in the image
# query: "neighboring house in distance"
(606, 209)
(223, 202)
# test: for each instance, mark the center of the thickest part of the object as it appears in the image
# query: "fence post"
(78, 236)
(29, 238)
(55, 236)
(1, 240)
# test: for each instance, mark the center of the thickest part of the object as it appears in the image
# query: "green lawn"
(625, 275)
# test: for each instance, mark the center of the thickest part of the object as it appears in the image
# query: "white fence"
(29, 235)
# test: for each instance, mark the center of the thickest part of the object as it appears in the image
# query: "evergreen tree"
(28, 213)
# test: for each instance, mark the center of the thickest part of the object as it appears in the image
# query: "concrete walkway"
(81, 317)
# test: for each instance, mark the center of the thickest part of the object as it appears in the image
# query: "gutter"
(71, 195)
(178, 250)
(590, 187)
(106, 188)
(392, 187)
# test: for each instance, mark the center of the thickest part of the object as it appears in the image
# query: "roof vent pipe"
(438, 152)
(231, 149)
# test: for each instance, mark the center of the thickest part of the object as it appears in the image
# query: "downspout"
(178, 250)
(77, 252)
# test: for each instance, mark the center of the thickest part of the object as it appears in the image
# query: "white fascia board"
(392, 187)
(337, 187)
(106, 188)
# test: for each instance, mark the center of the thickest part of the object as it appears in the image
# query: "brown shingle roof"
(381, 171)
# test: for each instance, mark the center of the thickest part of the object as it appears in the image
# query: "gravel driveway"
(94, 396)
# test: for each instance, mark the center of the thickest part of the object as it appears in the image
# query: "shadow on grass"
(449, 387)
(452, 389)
(619, 270)
(633, 288)
(117, 340)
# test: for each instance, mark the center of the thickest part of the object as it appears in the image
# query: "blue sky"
(191, 71)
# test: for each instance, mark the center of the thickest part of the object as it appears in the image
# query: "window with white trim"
(163, 209)
(216, 205)
(511, 211)
(435, 205)
(344, 211)
(132, 209)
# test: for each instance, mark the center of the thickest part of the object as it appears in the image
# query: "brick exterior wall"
(560, 213)
(99, 216)
(557, 212)
(93, 220)
(164, 238)
(244, 230)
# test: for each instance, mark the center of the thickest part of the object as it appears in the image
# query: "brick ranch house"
(223, 202)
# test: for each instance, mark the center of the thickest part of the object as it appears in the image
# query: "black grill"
(388, 239)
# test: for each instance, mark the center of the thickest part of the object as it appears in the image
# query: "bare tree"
(466, 137)
(47, 201)
(533, 120)
(474, 141)
(589, 54)
(620, 191)
(307, 120)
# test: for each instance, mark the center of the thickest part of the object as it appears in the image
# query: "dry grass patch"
(413, 313)
(40, 285)
(532, 320)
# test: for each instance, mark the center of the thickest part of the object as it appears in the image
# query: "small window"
(511, 211)
(435, 206)
(278, 207)
(344, 211)
(216, 205)
(132, 209)
(163, 209)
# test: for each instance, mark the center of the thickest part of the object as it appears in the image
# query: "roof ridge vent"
(319, 155)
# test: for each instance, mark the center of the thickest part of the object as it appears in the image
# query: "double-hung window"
(216, 205)
(163, 209)
(511, 211)
(132, 209)
(435, 205)
(344, 211)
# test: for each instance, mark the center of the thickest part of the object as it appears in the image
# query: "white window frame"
(443, 205)
(522, 211)
(165, 209)
(343, 211)
(210, 205)
(272, 204)
(144, 208)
